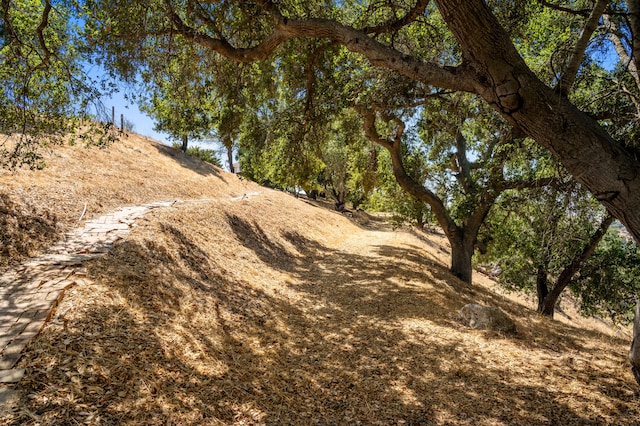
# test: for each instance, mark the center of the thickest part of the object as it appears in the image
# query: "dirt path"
(30, 292)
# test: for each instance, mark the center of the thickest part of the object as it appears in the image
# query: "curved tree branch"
(44, 22)
(453, 78)
(404, 180)
(391, 26)
(577, 55)
(464, 172)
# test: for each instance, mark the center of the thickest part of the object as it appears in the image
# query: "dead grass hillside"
(267, 310)
(37, 207)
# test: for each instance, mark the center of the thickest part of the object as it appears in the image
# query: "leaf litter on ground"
(270, 310)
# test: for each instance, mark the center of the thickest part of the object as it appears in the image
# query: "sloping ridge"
(268, 310)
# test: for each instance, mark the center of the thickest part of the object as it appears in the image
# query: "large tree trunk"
(502, 78)
(634, 352)
(461, 256)
(185, 142)
(542, 287)
(339, 200)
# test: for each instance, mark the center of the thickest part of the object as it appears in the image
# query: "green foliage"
(609, 283)
(178, 96)
(539, 228)
(388, 196)
(45, 93)
(544, 230)
(206, 155)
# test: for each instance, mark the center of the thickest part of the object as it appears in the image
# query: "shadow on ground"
(347, 339)
(24, 230)
(189, 162)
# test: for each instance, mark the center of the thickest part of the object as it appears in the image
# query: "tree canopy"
(489, 58)
(484, 77)
(46, 94)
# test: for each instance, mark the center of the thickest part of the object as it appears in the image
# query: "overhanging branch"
(395, 25)
(404, 180)
(44, 22)
(357, 41)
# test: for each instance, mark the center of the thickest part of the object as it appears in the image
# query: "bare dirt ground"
(269, 310)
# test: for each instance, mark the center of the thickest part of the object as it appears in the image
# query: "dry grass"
(271, 311)
(36, 208)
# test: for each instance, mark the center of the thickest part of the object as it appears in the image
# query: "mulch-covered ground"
(268, 310)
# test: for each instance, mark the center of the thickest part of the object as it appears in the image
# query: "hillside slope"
(265, 309)
(37, 207)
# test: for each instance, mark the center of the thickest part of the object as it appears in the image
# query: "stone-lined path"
(30, 292)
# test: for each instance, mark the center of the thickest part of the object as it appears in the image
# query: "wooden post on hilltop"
(121, 123)
(113, 116)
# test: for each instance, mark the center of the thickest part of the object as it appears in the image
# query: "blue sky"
(143, 124)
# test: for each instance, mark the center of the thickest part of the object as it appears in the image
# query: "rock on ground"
(486, 318)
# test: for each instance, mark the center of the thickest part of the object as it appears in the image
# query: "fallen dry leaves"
(268, 310)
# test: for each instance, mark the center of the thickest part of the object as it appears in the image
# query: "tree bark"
(634, 352)
(229, 145)
(185, 142)
(461, 256)
(339, 200)
(542, 287)
(503, 79)
(491, 68)
(546, 306)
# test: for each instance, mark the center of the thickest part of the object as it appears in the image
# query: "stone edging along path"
(30, 292)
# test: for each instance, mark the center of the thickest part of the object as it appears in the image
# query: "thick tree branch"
(222, 46)
(392, 26)
(576, 263)
(577, 55)
(453, 78)
(464, 173)
(44, 22)
(404, 180)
